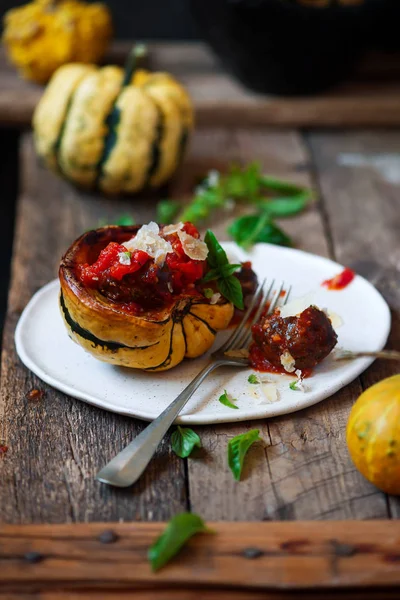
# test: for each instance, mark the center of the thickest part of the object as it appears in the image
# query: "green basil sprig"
(167, 211)
(237, 450)
(183, 441)
(225, 400)
(271, 198)
(177, 532)
(222, 271)
(253, 379)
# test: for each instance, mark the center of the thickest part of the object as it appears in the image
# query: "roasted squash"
(114, 131)
(45, 34)
(153, 340)
(373, 434)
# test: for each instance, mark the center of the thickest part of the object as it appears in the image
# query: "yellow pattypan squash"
(373, 434)
(45, 34)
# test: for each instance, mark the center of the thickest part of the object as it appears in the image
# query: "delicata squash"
(134, 296)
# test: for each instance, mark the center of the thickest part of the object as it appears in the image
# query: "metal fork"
(129, 464)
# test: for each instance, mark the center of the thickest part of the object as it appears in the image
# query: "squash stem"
(138, 51)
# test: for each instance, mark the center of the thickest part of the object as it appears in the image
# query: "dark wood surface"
(294, 560)
(370, 98)
(57, 444)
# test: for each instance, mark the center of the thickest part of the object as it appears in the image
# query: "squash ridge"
(213, 331)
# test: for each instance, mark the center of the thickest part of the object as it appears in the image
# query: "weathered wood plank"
(334, 557)
(372, 98)
(304, 472)
(56, 445)
(360, 182)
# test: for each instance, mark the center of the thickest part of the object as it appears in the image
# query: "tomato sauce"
(340, 281)
(137, 283)
(260, 363)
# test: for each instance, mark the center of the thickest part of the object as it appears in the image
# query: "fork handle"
(129, 464)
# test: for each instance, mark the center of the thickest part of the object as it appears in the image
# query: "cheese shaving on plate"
(148, 240)
(270, 392)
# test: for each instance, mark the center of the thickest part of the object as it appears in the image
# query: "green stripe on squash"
(87, 335)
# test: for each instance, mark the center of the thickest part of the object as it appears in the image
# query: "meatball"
(248, 279)
(299, 342)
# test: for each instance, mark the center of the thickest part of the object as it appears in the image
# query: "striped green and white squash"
(113, 130)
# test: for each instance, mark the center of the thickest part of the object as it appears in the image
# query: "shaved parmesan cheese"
(270, 391)
(192, 247)
(214, 298)
(296, 306)
(170, 229)
(124, 258)
(300, 382)
(287, 362)
(334, 318)
(148, 240)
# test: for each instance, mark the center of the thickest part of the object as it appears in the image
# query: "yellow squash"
(112, 130)
(45, 34)
(155, 341)
(373, 434)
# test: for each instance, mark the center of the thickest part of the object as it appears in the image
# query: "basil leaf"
(167, 211)
(253, 378)
(211, 275)
(284, 207)
(221, 272)
(243, 183)
(216, 254)
(225, 400)
(293, 386)
(177, 532)
(250, 229)
(283, 187)
(231, 289)
(237, 449)
(228, 270)
(183, 440)
(246, 230)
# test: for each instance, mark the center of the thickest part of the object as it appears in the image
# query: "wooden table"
(57, 444)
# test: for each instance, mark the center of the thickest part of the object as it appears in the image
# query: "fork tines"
(265, 295)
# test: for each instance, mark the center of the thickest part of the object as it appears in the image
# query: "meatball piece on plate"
(298, 342)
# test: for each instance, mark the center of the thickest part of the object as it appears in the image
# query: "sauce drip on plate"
(340, 281)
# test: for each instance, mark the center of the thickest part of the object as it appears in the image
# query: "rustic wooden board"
(359, 176)
(329, 560)
(57, 445)
(371, 98)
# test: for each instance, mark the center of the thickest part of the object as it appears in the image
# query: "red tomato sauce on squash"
(141, 284)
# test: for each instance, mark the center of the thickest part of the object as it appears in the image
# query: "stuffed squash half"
(136, 296)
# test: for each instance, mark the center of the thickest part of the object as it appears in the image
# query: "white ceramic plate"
(45, 348)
